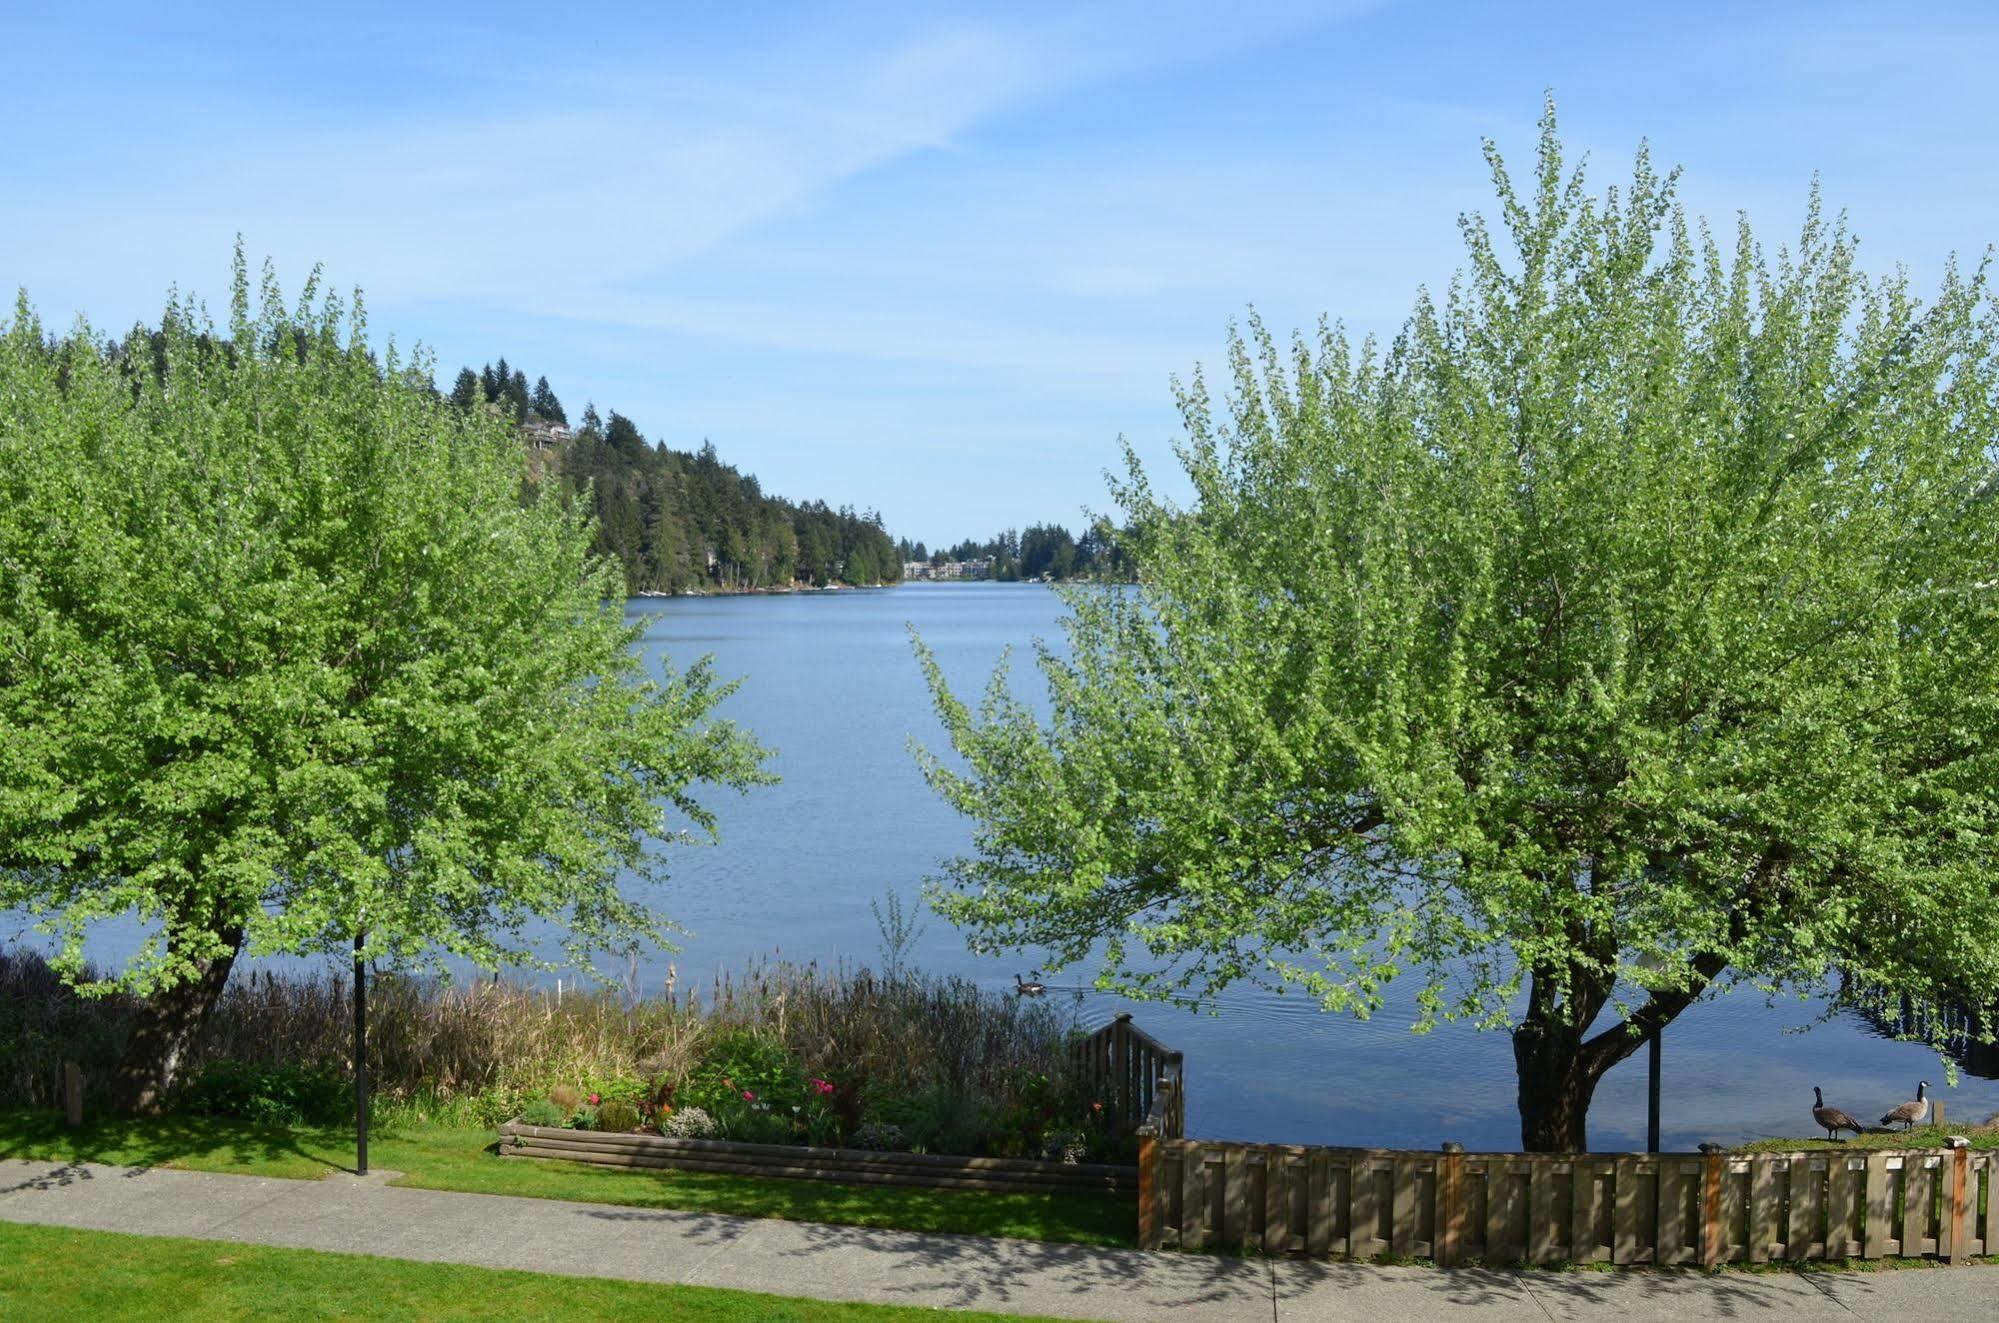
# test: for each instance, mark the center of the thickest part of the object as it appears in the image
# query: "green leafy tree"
(1624, 631)
(286, 662)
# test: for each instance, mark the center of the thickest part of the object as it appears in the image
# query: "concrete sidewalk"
(369, 1216)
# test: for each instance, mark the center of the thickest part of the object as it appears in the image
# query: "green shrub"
(544, 1112)
(687, 1123)
(740, 1062)
(617, 1115)
(268, 1095)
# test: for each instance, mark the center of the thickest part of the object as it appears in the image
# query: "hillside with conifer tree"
(682, 521)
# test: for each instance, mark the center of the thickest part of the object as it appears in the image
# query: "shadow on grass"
(210, 1143)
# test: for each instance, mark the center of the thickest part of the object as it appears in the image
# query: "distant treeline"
(1044, 551)
(680, 521)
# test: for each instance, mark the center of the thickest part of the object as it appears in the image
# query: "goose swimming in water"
(1033, 987)
(1913, 1113)
(1831, 1119)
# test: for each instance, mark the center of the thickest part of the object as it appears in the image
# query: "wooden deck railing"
(1665, 1208)
(1122, 1066)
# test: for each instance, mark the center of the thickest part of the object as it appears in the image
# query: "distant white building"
(950, 569)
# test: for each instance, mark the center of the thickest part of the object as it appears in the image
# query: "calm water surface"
(830, 683)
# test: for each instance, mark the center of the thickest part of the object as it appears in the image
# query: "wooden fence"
(1124, 1066)
(1665, 1208)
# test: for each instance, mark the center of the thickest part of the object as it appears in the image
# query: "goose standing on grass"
(1913, 1113)
(1032, 987)
(1831, 1119)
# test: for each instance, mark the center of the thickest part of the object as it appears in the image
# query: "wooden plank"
(1713, 1238)
(1805, 1235)
(1923, 1175)
(1583, 1244)
(1738, 1228)
(1450, 1209)
(1193, 1196)
(1339, 1195)
(1365, 1221)
(1150, 1164)
(1499, 1202)
(1846, 1196)
(1235, 1200)
(1402, 1208)
(1630, 1178)
(1670, 1242)
(1319, 1196)
(1276, 1202)
(1956, 1220)
(1876, 1243)
(1546, 1238)
(1767, 1178)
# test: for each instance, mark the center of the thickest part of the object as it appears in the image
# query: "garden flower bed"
(808, 1162)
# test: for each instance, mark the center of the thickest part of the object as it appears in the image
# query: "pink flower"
(748, 1096)
(595, 1099)
(819, 1086)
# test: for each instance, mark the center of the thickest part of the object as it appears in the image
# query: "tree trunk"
(166, 1026)
(1557, 1081)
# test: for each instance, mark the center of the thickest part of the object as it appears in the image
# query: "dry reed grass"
(477, 1050)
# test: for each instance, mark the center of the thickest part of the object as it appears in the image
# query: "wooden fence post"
(1713, 1234)
(1450, 1206)
(1148, 1185)
(1958, 1207)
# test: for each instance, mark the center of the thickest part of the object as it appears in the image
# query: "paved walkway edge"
(349, 1215)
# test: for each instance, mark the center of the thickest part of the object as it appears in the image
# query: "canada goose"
(1831, 1119)
(1033, 987)
(1913, 1113)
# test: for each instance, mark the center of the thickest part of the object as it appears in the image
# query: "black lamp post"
(360, 1061)
(1652, 1095)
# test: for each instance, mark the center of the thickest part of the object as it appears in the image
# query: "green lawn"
(448, 1158)
(53, 1273)
(1981, 1137)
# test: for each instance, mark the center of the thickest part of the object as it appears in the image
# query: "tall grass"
(477, 1050)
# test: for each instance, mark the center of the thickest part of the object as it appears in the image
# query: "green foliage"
(1626, 623)
(743, 1061)
(285, 658)
(266, 1095)
(544, 1112)
(938, 1119)
(617, 1115)
(757, 1092)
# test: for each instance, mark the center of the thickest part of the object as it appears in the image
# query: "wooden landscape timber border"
(1697, 1209)
(798, 1162)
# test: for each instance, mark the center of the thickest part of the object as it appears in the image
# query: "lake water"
(830, 683)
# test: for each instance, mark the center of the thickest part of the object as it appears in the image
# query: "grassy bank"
(52, 1273)
(1981, 1136)
(441, 1157)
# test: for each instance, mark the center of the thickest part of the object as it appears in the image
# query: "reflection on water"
(1956, 1026)
(830, 684)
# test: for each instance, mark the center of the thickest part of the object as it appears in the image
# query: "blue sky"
(931, 260)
